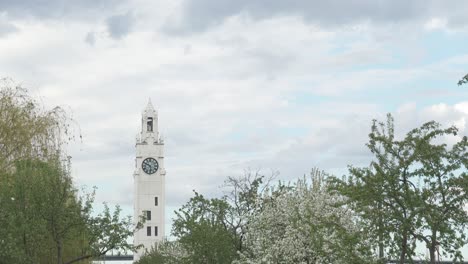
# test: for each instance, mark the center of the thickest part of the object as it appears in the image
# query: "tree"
(27, 131)
(166, 252)
(246, 224)
(412, 188)
(24, 234)
(46, 219)
(69, 216)
(106, 232)
(303, 223)
(201, 228)
(213, 230)
(31, 141)
(442, 191)
(463, 80)
(50, 218)
(242, 195)
(382, 193)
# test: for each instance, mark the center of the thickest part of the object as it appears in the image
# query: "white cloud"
(435, 24)
(275, 93)
(462, 107)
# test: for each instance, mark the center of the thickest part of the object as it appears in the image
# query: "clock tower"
(149, 182)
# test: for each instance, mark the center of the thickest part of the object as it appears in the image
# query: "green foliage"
(107, 231)
(41, 211)
(212, 230)
(166, 252)
(442, 190)
(30, 159)
(463, 80)
(414, 190)
(26, 130)
(202, 230)
(43, 217)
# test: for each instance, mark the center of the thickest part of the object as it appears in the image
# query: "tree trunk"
(404, 245)
(380, 228)
(79, 258)
(25, 245)
(432, 254)
(59, 251)
(381, 249)
(433, 247)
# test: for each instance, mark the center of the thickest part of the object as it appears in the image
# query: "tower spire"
(149, 124)
(149, 106)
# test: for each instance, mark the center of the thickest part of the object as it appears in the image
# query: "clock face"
(150, 165)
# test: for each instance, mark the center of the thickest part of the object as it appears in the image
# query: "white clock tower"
(149, 178)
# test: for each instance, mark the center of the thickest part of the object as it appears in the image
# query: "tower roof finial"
(149, 106)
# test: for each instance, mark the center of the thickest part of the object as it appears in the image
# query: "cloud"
(57, 9)
(120, 25)
(101, 16)
(91, 38)
(262, 87)
(6, 27)
(199, 15)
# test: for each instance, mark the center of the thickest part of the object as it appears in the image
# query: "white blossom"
(303, 223)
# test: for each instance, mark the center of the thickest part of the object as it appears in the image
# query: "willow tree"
(44, 218)
(29, 135)
(27, 130)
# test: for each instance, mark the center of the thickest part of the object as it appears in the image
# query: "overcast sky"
(261, 84)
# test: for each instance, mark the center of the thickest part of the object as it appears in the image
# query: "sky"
(273, 86)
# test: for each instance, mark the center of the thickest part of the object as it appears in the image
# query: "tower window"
(148, 215)
(149, 124)
(156, 201)
(148, 230)
(155, 231)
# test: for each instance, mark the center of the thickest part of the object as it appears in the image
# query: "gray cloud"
(89, 11)
(91, 38)
(56, 8)
(201, 14)
(120, 25)
(6, 28)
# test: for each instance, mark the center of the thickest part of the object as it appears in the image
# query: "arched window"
(149, 124)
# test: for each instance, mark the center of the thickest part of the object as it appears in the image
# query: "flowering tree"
(303, 223)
